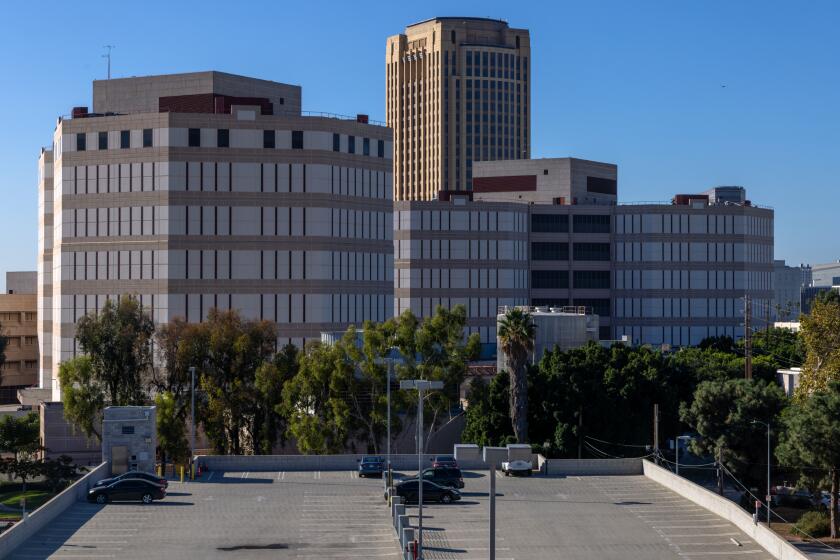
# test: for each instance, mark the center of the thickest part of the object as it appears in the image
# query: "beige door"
(119, 459)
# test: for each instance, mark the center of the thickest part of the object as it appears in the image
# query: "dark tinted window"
(103, 140)
(544, 251)
(601, 186)
(597, 305)
(592, 251)
(147, 137)
(268, 139)
(351, 144)
(591, 224)
(380, 148)
(223, 138)
(194, 138)
(127, 430)
(125, 139)
(336, 142)
(81, 142)
(604, 333)
(549, 223)
(297, 139)
(366, 146)
(549, 279)
(549, 302)
(593, 279)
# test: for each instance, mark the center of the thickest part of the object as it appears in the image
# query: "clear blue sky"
(634, 83)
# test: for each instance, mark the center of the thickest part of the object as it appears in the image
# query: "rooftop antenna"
(108, 56)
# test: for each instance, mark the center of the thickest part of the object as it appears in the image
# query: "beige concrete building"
(204, 190)
(457, 91)
(18, 325)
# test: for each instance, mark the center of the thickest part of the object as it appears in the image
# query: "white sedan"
(517, 468)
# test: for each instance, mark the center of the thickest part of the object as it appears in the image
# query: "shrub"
(813, 524)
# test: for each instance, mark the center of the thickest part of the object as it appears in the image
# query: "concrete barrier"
(274, 463)
(727, 509)
(41, 517)
(592, 467)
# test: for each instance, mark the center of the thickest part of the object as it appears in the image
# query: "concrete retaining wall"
(41, 517)
(727, 509)
(274, 463)
(597, 467)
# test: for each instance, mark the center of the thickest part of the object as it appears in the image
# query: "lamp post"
(677, 441)
(192, 417)
(421, 385)
(767, 497)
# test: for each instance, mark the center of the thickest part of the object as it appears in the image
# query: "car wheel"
(147, 498)
(101, 499)
(446, 499)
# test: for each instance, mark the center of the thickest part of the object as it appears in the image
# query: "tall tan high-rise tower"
(458, 91)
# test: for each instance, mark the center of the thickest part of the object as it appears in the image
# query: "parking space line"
(209, 478)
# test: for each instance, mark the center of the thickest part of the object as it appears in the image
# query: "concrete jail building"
(205, 190)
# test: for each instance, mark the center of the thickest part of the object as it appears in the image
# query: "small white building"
(789, 379)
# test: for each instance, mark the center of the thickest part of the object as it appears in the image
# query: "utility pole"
(747, 337)
(492, 511)
(421, 385)
(192, 416)
(388, 443)
(108, 56)
(656, 432)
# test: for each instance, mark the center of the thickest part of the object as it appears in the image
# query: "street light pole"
(421, 385)
(767, 498)
(388, 442)
(192, 416)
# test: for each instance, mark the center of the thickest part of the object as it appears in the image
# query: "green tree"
(487, 416)
(436, 349)
(723, 414)
(118, 341)
(810, 437)
(270, 378)
(317, 415)
(83, 395)
(60, 472)
(516, 338)
(180, 345)
(172, 439)
(20, 436)
(821, 336)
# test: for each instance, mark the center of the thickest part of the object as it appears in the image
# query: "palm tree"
(516, 336)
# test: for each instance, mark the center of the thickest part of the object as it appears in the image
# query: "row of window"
(559, 223)
(559, 251)
(16, 316)
(125, 140)
(559, 279)
(706, 221)
(693, 252)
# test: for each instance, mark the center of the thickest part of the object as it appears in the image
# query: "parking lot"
(320, 515)
(301, 515)
(579, 517)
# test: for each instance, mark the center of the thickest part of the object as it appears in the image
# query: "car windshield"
(372, 460)
(445, 459)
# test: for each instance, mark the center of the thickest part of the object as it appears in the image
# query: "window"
(351, 144)
(147, 137)
(336, 142)
(268, 139)
(549, 302)
(125, 139)
(81, 142)
(591, 224)
(549, 251)
(194, 138)
(593, 279)
(549, 279)
(297, 139)
(598, 306)
(380, 148)
(601, 186)
(103, 140)
(223, 138)
(127, 430)
(366, 146)
(550, 223)
(591, 251)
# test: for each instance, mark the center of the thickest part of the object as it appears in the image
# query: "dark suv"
(445, 476)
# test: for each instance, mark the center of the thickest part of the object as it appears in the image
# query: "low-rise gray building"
(129, 438)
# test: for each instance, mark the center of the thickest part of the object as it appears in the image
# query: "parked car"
(444, 461)
(409, 491)
(825, 501)
(127, 489)
(153, 478)
(517, 468)
(789, 496)
(371, 466)
(445, 476)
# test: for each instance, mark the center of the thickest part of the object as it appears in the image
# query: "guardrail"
(44, 515)
(256, 463)
(766, 538)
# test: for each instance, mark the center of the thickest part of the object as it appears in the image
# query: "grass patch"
(34, 498)
(6, 516)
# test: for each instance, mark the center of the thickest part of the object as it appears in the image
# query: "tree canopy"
(821, 336)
